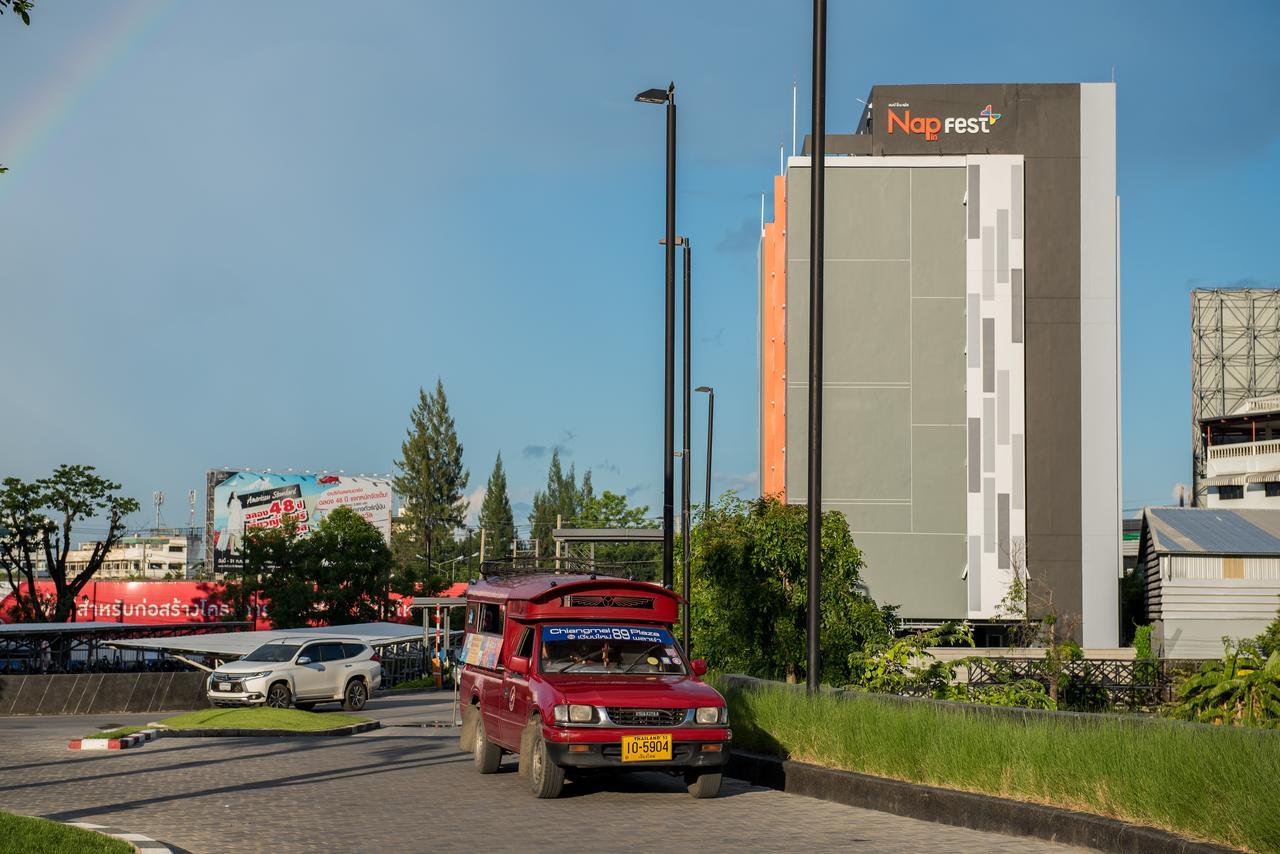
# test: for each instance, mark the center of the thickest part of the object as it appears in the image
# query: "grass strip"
(1210, 783)
(119, 732)
(22, 833)
(262, 717)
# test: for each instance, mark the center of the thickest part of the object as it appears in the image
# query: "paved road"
(405, 788)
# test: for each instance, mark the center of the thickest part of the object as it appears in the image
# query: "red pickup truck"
(581, 674)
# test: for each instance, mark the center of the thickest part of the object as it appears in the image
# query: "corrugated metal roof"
(1197, 530)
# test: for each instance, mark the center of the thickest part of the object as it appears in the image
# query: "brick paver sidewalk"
(406, 789)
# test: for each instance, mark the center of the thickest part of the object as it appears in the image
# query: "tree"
(1243, 688)
(275, 570)
(338, 574)
(351, 566)
(610, 510)
(750, 589)
(432, 478)
(495, 513)
(31, 535)
(21, 8)
(559, 500)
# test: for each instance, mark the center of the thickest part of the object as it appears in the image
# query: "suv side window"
(353, 650)
(331, 652)
(312, 652)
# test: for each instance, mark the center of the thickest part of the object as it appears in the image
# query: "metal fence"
(1092, 684)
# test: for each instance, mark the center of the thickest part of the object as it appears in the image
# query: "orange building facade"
(773, 356)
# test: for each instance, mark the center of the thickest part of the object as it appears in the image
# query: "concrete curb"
(141, 843)
(962, 809)
(268, 733)
(136, 740)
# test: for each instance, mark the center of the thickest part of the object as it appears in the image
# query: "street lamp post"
(817, 176)
(711, 420)
(668, 97)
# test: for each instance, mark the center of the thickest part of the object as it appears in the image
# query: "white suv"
(300, 672)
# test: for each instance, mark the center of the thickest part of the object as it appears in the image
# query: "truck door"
(514, 709)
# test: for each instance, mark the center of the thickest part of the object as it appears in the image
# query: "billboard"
(164, 602)
(243, 500)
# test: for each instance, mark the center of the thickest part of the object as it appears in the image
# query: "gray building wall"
(1066, 135)
(894, 406)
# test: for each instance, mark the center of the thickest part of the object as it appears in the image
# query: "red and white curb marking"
(144, 844)
(135, 740)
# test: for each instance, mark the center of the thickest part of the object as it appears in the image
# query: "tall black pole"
(684, 457)
(711, 420)
(816, 225)
(669, 377)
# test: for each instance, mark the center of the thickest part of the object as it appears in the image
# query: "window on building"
(1230, 493)
(1272, 489)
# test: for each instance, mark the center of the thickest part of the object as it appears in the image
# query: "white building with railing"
(1242, 456)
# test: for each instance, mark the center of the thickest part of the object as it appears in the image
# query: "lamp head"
(706, 389)
(655, 96)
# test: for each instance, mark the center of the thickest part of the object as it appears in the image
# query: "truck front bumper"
(708, 750)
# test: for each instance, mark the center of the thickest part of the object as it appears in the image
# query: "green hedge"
(1215, 783)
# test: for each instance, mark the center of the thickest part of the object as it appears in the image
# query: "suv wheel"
(546, 778)
(356, 695)
(704, 785)
(486, 754)
(279, 696)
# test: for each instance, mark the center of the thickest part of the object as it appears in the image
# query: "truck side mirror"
(518, 664)
(699, 666)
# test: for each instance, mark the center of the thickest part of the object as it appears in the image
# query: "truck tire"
(704, 785)
(486, 754)
(467, 732)
(546, 778)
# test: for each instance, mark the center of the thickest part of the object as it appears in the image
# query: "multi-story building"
(1235, 397)
(971, 384)
(156, 555)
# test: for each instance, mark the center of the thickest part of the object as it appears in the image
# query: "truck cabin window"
(613, 650)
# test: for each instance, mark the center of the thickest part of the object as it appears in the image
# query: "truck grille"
(646, 717)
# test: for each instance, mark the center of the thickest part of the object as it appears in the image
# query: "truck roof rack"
(527, 566)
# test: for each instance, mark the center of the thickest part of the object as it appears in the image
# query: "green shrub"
(1242, 688)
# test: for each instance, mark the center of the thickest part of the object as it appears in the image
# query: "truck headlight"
(712, 715)
(573, 713)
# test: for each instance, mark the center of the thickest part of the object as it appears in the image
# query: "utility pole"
(817, 192)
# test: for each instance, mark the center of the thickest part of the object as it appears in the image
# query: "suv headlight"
(258, 675)
(712, 715)
(574, 713)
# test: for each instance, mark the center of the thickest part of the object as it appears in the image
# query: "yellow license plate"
(646, 748)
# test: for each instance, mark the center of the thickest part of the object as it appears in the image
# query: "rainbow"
(47, 109)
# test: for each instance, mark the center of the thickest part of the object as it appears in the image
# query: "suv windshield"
(609, 649)
(273, 652)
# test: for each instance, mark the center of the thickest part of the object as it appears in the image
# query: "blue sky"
(234, 238)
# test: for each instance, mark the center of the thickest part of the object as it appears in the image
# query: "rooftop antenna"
(782, 159)
(157, 498)
(793, 117)
(191, 502)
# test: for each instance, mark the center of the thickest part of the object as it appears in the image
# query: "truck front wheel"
(704, 785)
(546, 778)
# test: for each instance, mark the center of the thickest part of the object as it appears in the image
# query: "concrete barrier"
(100, 693)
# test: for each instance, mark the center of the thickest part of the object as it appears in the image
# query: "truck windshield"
(273, 652)
(614, 650)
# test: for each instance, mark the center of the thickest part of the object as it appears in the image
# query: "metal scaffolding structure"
(1235, 356)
